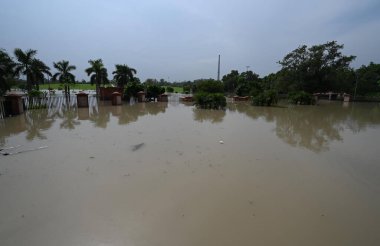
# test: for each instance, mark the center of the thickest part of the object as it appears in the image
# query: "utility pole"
(219, 68)
(356, 84)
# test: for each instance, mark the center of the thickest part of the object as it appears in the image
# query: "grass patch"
(177, 89)
(72, 86)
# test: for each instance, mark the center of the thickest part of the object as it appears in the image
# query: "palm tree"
(34, 69)
(38, 70)
(64, 74)
(24, 64)
(98, 73)
(6, 71)
(123, 74)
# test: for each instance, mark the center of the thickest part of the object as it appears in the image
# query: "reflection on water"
(311, 127)
(157, 174)
(214, 116)
(131, 113)
(314, 127)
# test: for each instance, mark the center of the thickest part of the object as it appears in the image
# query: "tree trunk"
(97, 90)
(28, 84)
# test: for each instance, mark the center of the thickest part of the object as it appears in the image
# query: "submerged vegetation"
(265, 98)
(301, 97)
(210, 100)
(209, 94)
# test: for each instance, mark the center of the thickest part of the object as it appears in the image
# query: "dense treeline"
(25, 64)
(305, 70)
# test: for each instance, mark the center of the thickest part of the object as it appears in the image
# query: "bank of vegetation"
(304, 71)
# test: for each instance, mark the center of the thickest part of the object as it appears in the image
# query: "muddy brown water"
(157, 174)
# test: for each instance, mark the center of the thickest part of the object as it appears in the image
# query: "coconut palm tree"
(98, 73)
(123, 74)
(24, 65)
(64, 74)
(39, 69)
(6, 71)
(34, 69)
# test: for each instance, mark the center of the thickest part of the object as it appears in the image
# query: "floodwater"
(158, 174)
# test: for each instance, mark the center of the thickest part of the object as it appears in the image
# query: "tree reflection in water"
(37, 121)
(131, 113)
(311, 127)
(214, 116)
(69, 118)
(314, 127)
(100, 116)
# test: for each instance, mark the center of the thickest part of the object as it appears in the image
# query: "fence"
(52, 103)
(2, 108)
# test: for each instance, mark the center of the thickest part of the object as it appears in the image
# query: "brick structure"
(106, 92)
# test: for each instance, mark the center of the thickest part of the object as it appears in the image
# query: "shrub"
(132, 89)
(265, 98)
(169, 89)
(209, 86)
(153, 91)
(210, 100)
(35, 93)
(187, 89)
(301, 97)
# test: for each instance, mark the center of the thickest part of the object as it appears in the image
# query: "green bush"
(209, 86)
(265, 98)
(301, 97)
(132, 89)
(169, 89)
(186, 89)
(35, 93)
(210, 100)
(153, 91)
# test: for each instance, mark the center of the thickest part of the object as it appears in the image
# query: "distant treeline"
(314, 69)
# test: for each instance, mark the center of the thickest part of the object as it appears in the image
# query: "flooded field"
(172, 175)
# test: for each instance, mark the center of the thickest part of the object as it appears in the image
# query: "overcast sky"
(181, 40)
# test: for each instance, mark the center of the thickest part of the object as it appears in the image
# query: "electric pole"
(219, 68)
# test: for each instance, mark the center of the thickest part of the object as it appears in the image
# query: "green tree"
(315, 69)
(24, 65)
(265, 98)
(132, 89)
(210, 100)
(208, 86)
(188, 87)
(64, 74)
(269, 81)
(169, 89)
(39, 69)
(368, 79)
(6, 71)
(230, 81)
(248, 83)
(123, 74)
(209, 94)
(153, 91)
(98, 73)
